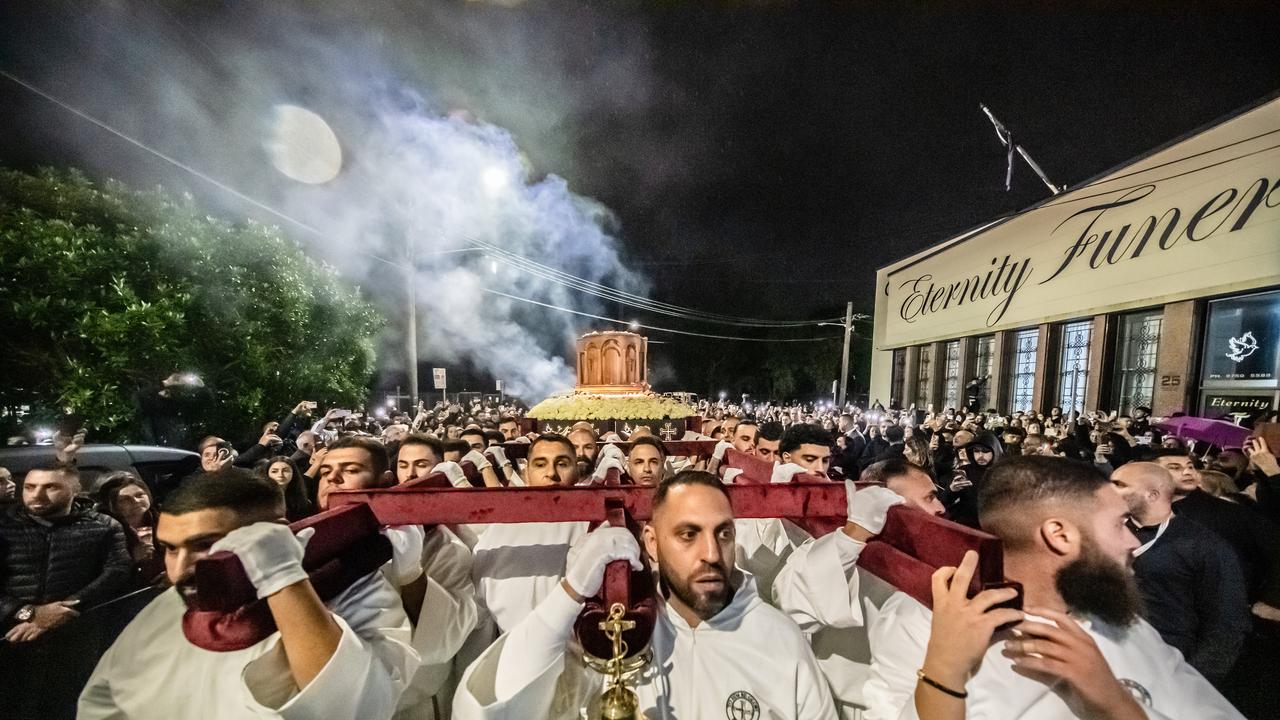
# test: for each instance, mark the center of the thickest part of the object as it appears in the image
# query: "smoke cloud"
(422, 179)
(425, 186)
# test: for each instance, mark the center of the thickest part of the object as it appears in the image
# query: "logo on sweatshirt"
(742, 706)
(1138, 692)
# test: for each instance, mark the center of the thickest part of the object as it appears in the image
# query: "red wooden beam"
(912, 545)
(404, 506)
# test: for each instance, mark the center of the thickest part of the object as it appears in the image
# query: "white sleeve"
(536, 643)
(1183, 691)
(899, 637)
(818, 586)
(449, 612)
(96, 700)
(365, 676)
(518, 676)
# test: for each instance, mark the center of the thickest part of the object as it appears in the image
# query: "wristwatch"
(25, 613)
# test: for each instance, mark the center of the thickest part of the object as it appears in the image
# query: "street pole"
(844, 363)
(411, 336)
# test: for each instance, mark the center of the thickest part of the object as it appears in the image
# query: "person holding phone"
(215, 453)
(1266, 473)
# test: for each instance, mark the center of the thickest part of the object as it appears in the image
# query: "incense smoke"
(421, 177)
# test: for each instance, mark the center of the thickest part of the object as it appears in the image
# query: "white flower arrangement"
(592, 406)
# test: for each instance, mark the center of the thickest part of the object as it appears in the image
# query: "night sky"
(760, 158)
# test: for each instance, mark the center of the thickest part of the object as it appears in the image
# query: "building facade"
(1155, 285)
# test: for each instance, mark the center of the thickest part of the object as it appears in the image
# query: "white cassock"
(447, 618)
(152, 671)
(762, 546)
(831, 599)
(517, 565)
(1163, 683)
(749, 662)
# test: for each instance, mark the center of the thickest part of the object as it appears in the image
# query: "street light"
(494, 179)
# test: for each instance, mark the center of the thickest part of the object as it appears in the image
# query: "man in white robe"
(349, 659)
(1082, 652)
(718, 649)
(517, 565)
(830, 598)
(432, 572)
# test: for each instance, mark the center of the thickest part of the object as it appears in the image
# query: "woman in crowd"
(283, 472)
(1218, 484)
(127, 499)
(916, 450)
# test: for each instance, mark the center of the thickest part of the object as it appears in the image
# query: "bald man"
(585, 448)
(1191, 583)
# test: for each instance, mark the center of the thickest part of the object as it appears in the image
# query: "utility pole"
(844, 363)
(411, 333)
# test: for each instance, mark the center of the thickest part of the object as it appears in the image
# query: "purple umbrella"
(1219, 432)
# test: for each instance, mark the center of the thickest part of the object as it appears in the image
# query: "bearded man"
(1083, 651)
(717, 647)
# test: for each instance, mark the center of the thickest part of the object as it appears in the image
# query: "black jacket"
(1255, 539)
(1194, 594)
(80, 556)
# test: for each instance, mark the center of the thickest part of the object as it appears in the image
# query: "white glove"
(603, 467)
(730, 474)
(611, 451)
(453, 471)
(270, 553)
(721, 447)
(869, 506)
(783, 473)
(499, 456)
(406, 553)
(477, 458)
(585, 571)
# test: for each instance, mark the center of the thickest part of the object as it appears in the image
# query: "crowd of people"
(1148, 572)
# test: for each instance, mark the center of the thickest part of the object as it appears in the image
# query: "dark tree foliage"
(105, 291)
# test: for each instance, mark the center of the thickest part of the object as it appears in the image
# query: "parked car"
(161, 468)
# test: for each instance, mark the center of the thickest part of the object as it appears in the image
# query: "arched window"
(611, 363)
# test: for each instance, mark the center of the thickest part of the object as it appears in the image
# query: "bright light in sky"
(494, 179)
(303, 146)
(635, 325)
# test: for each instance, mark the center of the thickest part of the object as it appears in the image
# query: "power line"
(631, 299)
(548, 305)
